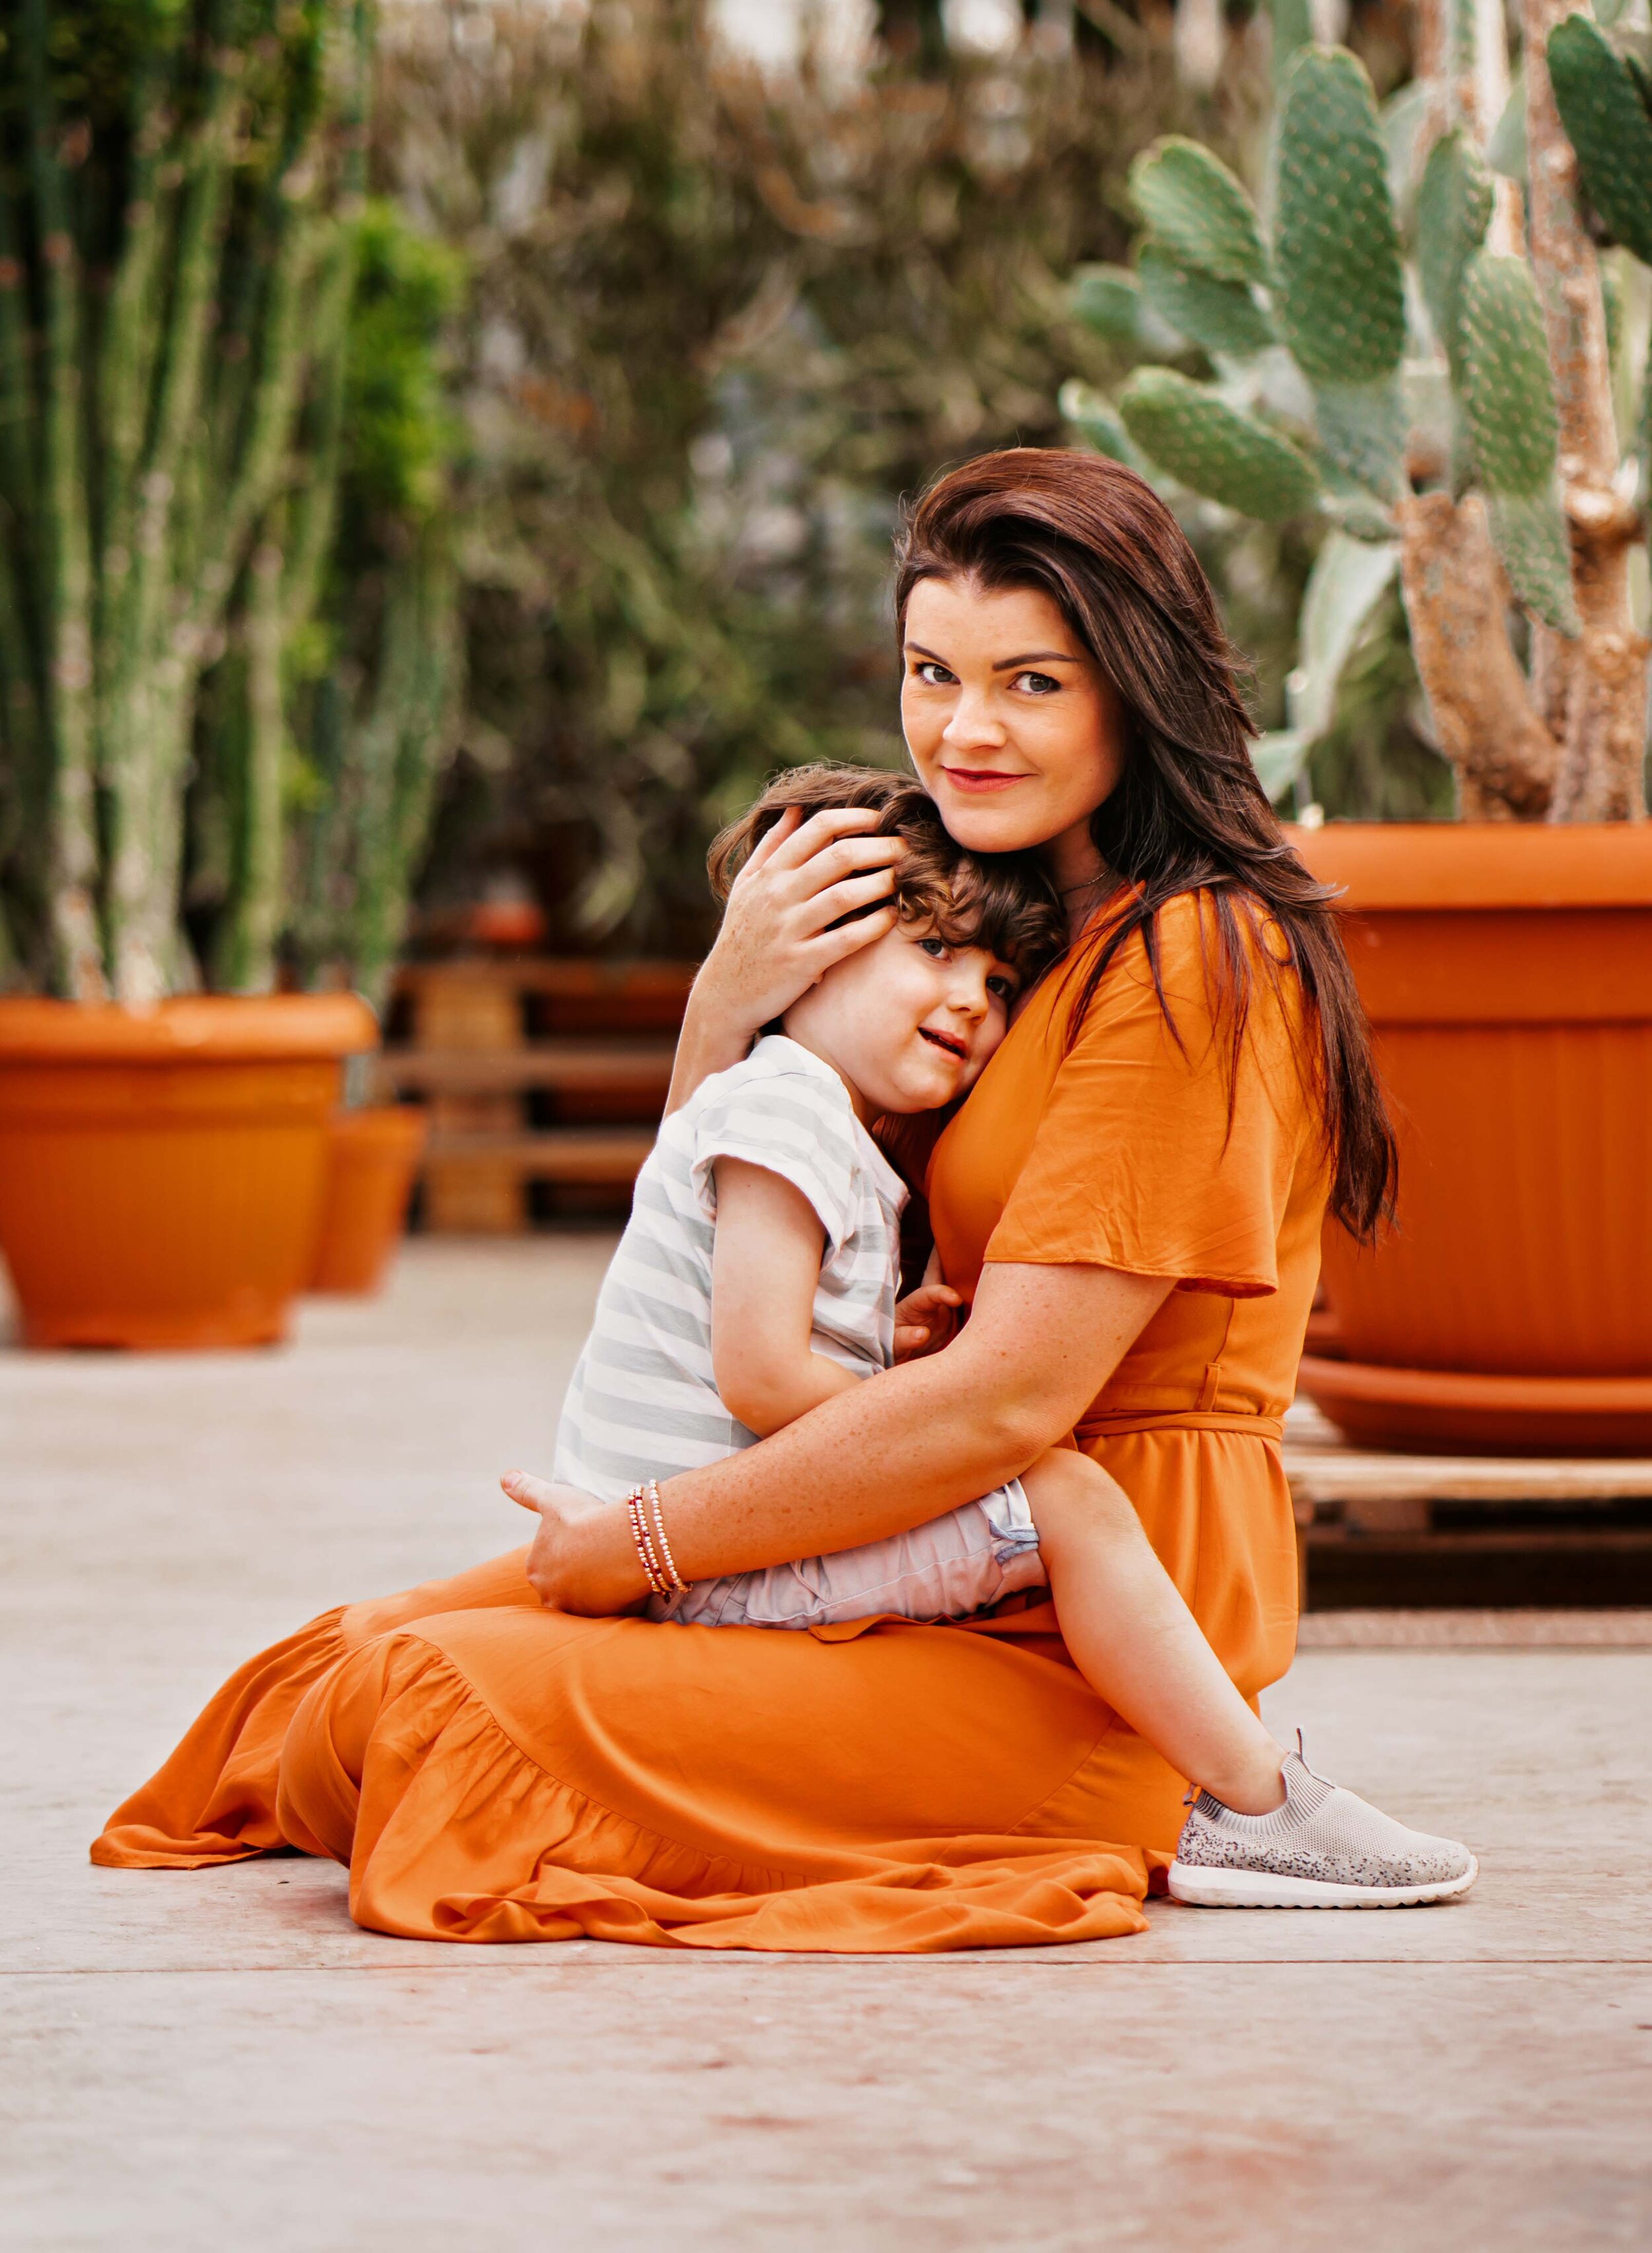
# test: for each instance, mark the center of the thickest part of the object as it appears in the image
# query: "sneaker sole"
(1202, 1888)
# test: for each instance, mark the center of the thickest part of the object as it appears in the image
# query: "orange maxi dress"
(492, 1771)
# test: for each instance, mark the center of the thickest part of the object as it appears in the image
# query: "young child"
(758, 1275)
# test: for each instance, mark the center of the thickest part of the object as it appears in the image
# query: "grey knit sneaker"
(1323, 1849)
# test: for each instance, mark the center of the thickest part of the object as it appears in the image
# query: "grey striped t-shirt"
(643, 1400)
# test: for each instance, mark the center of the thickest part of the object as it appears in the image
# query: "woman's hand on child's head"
(925, 1320)
(777, 939)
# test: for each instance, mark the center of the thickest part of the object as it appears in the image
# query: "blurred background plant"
(565, 514)
(172, 184)
(724, 317)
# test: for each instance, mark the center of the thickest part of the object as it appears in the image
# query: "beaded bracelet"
(680, 1587)
(658, 1585)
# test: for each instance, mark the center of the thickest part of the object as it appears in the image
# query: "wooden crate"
(490, 1045)
(1465, 1529)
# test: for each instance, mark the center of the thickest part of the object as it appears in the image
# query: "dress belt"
(1179, 1419)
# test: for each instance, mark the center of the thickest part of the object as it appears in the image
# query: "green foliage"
(720, 324)
(1512, 414)
(1453, 210)
(1341, 295)
(1108, 300)
(1196, 211)
(1602, 106)
(173, 182)
(1214, 447)
(1093, 413)
(400, 431)
(1218, 315)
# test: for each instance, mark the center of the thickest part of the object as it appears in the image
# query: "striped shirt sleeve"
(794, 1124)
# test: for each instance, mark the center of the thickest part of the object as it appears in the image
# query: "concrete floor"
(193, 2060)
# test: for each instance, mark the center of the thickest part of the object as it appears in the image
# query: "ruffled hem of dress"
(453, 1832)
(214, 1799)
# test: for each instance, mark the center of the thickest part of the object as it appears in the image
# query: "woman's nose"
(974, 719)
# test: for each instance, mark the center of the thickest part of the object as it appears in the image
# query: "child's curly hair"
(1003, 902)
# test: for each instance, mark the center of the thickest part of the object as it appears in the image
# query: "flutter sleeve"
(1158, 1153)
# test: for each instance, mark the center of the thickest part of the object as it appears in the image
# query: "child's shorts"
(955, 1566)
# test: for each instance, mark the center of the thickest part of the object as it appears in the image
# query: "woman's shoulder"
(1208, 927)
(1212, 949)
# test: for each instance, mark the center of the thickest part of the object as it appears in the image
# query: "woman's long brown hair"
(1188, 814)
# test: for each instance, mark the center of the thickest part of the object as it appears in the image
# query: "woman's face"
(1011, 727)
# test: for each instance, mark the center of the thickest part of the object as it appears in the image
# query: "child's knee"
(1069, 1492)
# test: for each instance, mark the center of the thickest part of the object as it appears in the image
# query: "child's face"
(909, 1020)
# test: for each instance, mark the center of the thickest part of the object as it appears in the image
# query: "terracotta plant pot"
(372, 1157)
(1508, 973)
(162, 1171)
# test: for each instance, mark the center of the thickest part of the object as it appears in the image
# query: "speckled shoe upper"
(1322, 1832)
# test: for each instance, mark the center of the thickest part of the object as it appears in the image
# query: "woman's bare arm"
(777, 939)
(901, 1448)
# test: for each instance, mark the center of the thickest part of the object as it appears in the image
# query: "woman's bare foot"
(582, 1559)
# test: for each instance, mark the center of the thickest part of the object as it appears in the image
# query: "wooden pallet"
(534, 1070)
(1464, 1526)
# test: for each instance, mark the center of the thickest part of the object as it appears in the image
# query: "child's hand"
(925, 1320)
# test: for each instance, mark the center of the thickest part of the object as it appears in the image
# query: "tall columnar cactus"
(171, 179)
(371, 697)
(1315, 383)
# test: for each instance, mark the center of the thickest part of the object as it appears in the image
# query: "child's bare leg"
(1135, 1641)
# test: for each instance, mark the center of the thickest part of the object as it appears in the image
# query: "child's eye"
(1004, 987)
(936, 676)
(1037, 684)
(934, 946)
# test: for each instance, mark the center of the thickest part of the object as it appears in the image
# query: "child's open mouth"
(947, 1041)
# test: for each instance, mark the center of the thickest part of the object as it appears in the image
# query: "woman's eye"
(936, 676)
(1037, 684)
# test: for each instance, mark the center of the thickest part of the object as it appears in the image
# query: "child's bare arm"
(765, 1263)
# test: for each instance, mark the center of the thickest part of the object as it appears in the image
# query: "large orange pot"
(1508, 973)
(372, 1157)
(161, 1171)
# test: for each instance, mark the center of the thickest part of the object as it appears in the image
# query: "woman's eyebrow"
(1036, 657)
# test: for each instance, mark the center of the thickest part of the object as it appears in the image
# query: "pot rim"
(203, 1027)
(1447, 867)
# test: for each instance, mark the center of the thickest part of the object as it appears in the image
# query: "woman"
(1132, 1198)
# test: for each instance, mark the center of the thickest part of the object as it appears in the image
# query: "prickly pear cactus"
(1453, 210)
(1511, 416)
(1600, 102)
(1340, 296)
(1198, 212)
(1216, 448)
(1223, 318)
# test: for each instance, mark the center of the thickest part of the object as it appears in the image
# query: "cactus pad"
(1216, 449)
(1108, 299)
(1453, 211)
(1219, 317)
(1601, 106)
(1094, 416)
(1341, 295)
(1516, 432)
(1195, 208)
